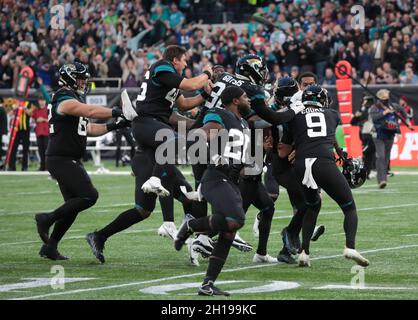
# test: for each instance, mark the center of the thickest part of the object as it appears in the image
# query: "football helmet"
(354, 172)
(286, 87)
(253, 68)
(315, 96)
(74, 75)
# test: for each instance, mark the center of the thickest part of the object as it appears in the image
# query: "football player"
(68, 128)
(313, 132)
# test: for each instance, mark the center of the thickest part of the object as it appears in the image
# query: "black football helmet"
(253, 68)
(354, 172)
(286, 87)
(75, 75)
(315, 96)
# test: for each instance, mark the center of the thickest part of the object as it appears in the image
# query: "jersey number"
(143, 89)
(214, 100)
(317, 126)
(82, 127)
(236, 149)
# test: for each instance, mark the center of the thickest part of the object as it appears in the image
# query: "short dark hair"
(307, 75)
(231, 93)
(173, 51)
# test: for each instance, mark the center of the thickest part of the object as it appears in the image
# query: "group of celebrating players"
(298, 150)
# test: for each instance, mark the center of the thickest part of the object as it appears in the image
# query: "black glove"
(118, 125)
(234, 173)
(117, 112)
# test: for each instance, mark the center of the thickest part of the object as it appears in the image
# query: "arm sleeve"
(375, 114)
(266, 113)
(168, 79)
(287, 137)
(45, 93)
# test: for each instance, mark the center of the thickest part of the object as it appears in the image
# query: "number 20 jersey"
(67, 134)
(313, 132)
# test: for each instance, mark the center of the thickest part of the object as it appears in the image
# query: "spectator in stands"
(329, 78)
(129, 71)
(403, 101)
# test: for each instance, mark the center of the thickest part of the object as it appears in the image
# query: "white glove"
(191, 195)
(297, 106)
(128, 111)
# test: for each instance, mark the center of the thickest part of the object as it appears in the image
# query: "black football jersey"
(233, 148)
(313, 132)
(155, 99)
(67, 134)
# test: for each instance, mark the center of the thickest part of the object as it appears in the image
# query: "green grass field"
(139, 262)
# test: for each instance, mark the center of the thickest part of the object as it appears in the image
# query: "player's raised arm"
(73, 107)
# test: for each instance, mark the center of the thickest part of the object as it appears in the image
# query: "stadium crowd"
(122, 39)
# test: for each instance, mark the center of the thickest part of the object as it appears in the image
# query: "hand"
(208, 87)
(268, 143)
(117, 112)
(118, 125)
(39, 80)
(297, 106)
(388, 111)
(208, 68)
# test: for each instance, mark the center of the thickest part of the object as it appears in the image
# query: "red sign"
(405, 148)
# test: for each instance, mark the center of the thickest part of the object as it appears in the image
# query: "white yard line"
(124, 285)
(93, 173)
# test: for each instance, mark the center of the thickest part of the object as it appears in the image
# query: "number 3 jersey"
(67, 134)
(313, 133)
(159, 91)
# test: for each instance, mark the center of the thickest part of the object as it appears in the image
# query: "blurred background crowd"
(122, 38)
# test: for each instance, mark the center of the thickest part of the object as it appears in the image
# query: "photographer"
(385, 117)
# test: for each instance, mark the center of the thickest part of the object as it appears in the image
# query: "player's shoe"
(258, 258)
(42, 224)
(303, 259)
(183, 233)
(256, 232)
(356, 256)
(382, 185)
(241, 244)
(96, 244)
(50, 252)
(208, 289)
(285, 257)
(193, 255)
(203, 245)
(319, 231)
(168, 230)
(290, 241)
(153, 185)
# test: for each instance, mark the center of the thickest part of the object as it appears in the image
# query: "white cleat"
(203, 245)
(303, 259)
(353, 254)
(154, 185)
(241, 244)
(128, 110)
(193, 255)
(168, 230)
(258, 258)
(255, 226)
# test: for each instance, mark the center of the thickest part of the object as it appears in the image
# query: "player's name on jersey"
(312, 110)
(232, 80)
(230, 147)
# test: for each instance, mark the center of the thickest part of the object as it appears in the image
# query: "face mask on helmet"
(354, 172)
(75, 76)
(315, 96)
(253, 68)
(286, 88)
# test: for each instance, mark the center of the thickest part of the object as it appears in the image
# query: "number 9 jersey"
(67, 134)
(313, 132)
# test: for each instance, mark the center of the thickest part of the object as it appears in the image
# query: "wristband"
(207, 73)
(205, 95)
(116, 112)
(111, 126)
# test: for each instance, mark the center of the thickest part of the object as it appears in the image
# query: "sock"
(295, 224)
(309, 222)
(60, 228)
(122, 222)
(264, 230)
(200, 225)
(350, 225)
(167, 208)
(218, 257)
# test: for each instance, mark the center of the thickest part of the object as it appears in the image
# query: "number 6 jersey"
(313, 132)
(67, 134)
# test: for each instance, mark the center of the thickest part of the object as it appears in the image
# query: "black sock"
(60, 228)
(295, 225)
(122, 222)
(218, 257)
(200, 225)
(167, 208)
(309, 222)
(264, 230)
(350, 226)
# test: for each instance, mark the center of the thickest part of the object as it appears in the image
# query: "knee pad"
(315, 206)
(235, 225)
(218, 223)
(349, 206)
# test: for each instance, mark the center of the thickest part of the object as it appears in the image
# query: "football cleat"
(183, 233)
(255, 226)
(168, 230)
(353, 254)
(50, 252)
(203, 245)
(193, 255)
(290, 241)
(241, 244)
(285, 257)
(96, 244)
(319, 231)
(258, 258)
(128, 110)
(153, 185)
(303, 259)
(382, 185)
(208, 289)
(42, 224)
